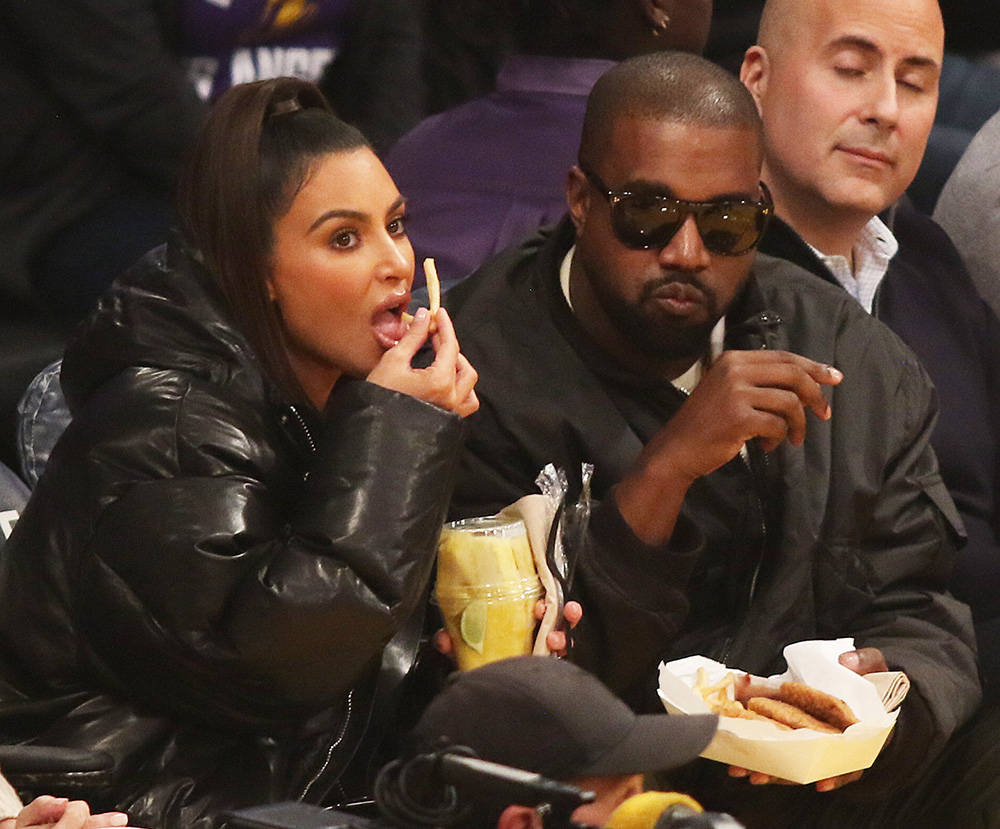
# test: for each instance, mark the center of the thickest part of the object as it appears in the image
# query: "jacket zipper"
(305, 429)
(350, 694)
(765, 319)
(752, 591)
(333, 746)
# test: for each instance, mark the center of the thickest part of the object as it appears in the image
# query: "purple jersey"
(227, 42)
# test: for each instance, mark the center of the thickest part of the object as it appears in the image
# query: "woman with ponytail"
(243, 512)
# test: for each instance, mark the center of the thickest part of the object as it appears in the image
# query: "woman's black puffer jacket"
(206, 577)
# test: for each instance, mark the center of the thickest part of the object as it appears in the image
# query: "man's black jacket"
(853, 534)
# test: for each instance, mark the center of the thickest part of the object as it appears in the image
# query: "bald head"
(782, 21)
(668, 86)
(848, 92)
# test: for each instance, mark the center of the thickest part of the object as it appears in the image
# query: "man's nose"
(882, 101)
(686, 249)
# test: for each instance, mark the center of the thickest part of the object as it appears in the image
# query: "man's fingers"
(831, 783)
(822, 373)
(796, 377)
(786, 407)
(555, 641)
(864, 661)
(443, 643)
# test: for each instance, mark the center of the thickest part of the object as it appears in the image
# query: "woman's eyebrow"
(357, 215)
(338, 214)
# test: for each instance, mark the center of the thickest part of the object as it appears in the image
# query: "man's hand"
(744, 395)
(862, 661)
(826, 785)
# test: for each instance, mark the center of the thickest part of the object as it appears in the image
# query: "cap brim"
(656, 742)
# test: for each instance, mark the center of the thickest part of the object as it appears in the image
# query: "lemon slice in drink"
(473, 624)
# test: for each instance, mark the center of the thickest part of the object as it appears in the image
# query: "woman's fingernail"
(836, 374)
(850, 660)
(422, 314)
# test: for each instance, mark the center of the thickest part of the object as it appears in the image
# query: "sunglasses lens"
(731, 229)
(649, 221)
(642, 221)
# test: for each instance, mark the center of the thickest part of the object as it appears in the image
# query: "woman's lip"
(401, 301)
(387, 320)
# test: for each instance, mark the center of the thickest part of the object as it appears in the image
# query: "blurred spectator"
(969, 209)
(97, 115)
(465, 43)
(103, 98)
(482, 175)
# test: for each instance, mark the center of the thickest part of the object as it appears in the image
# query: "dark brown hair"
(253, 155)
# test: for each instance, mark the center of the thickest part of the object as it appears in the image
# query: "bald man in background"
(848, 91)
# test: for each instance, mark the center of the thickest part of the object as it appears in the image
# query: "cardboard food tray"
(801, 756)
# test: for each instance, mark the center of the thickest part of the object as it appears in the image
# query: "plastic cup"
(486, 588)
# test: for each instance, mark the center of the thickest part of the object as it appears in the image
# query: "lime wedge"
(473, 624)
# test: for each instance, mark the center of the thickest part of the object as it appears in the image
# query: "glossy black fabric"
(928, 299)
(860, 529)
(205, 578)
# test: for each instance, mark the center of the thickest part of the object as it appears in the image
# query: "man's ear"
(519, 817)
(577, 196)
(655, 13)
(755, 72)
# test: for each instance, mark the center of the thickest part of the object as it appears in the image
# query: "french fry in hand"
(433, 286)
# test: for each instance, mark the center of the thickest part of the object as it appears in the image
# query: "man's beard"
(657, 335)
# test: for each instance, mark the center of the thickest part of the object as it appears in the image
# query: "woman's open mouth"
(388, 324)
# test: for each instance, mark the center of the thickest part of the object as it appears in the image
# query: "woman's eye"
(397, 227)
(345, 238)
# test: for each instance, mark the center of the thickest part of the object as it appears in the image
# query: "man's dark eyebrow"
(357, 215)
(863, 44)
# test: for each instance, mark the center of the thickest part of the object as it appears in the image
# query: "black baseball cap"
(551, 717)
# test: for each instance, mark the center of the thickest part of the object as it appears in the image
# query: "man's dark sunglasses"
(647, 219)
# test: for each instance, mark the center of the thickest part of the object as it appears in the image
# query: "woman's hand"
(448, 382)
(555, 640)
(62, 813)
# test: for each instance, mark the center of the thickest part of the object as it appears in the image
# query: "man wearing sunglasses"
(749, 494)
(847, 90)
